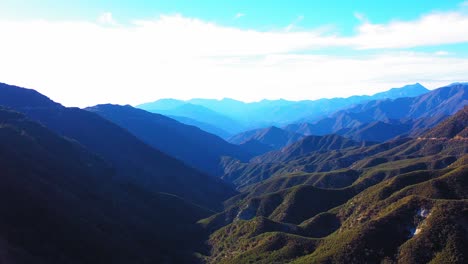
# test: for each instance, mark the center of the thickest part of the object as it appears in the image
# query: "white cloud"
(432, 29)
(239, 15)
(107, 19)
(442, 53)
(84, 63)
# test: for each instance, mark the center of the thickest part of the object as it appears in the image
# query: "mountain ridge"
(409, 115)
(184, 142)
(135, 162)
(273, 137)
(280, 112)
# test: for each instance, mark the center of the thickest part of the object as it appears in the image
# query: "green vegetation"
(403, 201)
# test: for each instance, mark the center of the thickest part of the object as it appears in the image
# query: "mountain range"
(235, 116)
(365, 179)
(182, 111)
(391, 116)
(376, 121)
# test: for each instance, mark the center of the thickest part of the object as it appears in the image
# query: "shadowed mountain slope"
(135, 162)
(61, 203)
(195, 147)
(210, 128)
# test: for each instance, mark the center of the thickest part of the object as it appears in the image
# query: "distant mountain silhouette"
(411, 90)
(195, 112)
(210, 128)
(273, 137)
(61, 203)
(190, 144)
(162, 104)
(266, 113)
(136, 163)
(402, 115)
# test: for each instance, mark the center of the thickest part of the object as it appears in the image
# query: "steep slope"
(135, 162)
(186, 143)
(62, 204)
(273, 137)
(455, 126)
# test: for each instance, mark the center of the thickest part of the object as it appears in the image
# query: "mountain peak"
(273, 129)
(416, 86)
(409, 90)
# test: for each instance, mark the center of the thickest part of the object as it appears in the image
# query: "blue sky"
(259, 14)
(87, 52)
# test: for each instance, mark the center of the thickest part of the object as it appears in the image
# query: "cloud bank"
(83, 63)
